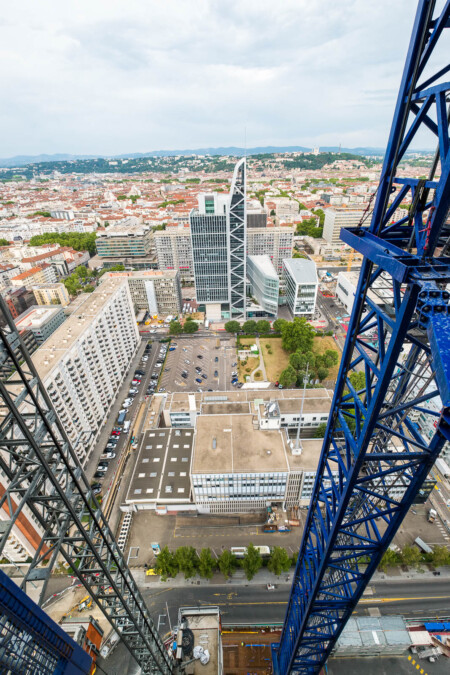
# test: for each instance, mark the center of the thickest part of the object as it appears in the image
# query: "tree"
(190, 327)
(411, 555)
(440, 556)
(81, 271)
(232, 326)
(227, 563)
(288, 377)
(322, 373)
(206, 563)
(389, 559)
(4, 242)
(279, 561)
(297, 360)
(298, 334)
(278, 324)
(175, 328)
(249, 326)
(331, 358)
(252, 561)
(187, 560)
(263, 326)
(89, 289)
(166, 564)
(321, 430)
(358, 380)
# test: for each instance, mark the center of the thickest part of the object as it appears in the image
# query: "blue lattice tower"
(374, 459)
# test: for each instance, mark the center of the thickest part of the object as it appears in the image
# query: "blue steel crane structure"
(374, 458)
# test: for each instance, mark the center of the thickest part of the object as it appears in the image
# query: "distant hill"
(23, 160)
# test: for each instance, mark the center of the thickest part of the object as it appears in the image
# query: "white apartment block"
(84, 362)
(174, 251)
(155, 291)
(301, 285)
(336, 219)
(51, 294)
(276, 242)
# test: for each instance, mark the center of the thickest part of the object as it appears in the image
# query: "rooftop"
(146, 274)
(36, 315)
(161, 472)
(238, 446)
(88, 306)
(302, 271)
(124, 228)
(264, 263)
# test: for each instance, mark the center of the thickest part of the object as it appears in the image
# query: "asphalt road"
(255, 604)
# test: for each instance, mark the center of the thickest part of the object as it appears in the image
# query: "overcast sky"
(117, 76)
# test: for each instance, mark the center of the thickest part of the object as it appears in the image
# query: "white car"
(153, 330)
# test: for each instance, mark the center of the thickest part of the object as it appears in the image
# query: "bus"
(238, 551)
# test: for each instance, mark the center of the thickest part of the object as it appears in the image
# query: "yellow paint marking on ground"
(413, 662)
(409, 658)
(368, 601)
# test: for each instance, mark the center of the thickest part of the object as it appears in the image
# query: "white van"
(126, 427)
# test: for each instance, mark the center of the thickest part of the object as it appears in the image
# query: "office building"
(264, 284)
(228, 453)
(301, 285)
(276, 242)
(173, 249)
(51, 294)
(83, 363)
(336, 219)
(40, 321)
(218, 232)
(155, 291)
(128, 242)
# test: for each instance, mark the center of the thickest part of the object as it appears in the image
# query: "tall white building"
(155, 291)
(335, 219)
(301, 285)
(264, 283)
(173, 248)
(83, 363)
(276, 242)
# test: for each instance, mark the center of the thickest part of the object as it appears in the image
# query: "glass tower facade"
(218, 233)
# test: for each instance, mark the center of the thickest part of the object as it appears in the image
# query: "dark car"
(199, 356)
(216, 373)
(204, 375)
(197, 379)
(216, 359)
(99, 474)
(184, 375)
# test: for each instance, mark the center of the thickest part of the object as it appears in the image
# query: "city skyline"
(114, 79)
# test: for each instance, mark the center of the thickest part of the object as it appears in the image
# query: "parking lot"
(207, 359)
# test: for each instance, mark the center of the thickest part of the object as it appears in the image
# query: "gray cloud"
(108, 76)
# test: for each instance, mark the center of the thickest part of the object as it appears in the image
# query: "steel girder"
(43, 489)
(399, 337)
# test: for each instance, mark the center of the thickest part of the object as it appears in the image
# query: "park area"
(276, 359)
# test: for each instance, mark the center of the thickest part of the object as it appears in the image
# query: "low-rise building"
(301, 285)
(41, 321)
(36, 275)
(263, 284)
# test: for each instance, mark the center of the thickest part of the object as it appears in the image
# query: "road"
(254, 604)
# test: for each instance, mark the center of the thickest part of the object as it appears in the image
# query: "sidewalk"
(263, 577)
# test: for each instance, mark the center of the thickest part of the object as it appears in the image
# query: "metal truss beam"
(43, 489)
(237, 238)
(374, 458)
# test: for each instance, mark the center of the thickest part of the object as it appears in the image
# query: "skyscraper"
(218, 232)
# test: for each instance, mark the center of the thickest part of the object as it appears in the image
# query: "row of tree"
(190, 326)
(249, 327)
(186, 560)
(413, 556)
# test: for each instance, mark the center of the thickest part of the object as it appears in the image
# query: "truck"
(206, 324)
(432, 515)
(269, 529)
(121, 417)
(238, 551)
(264, 551)
(283, 528)
(443, 468)
(422, 545)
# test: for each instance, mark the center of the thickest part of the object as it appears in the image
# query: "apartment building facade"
(336, 219)
(173, 249)
(51, 294)
(276, 242)
(155, 291)
(128, 241)
(84, 362)
(41, 321)
(44, 274)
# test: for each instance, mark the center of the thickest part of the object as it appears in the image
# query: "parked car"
(139, 372)
(156, 548)
(115, 432)
(187, 361)
(200, 381)
(127, 404)
(240, 385)
(216, 373)
(102, 467)
(277, 383)
(199, 356)
(233, 365)
(184, 376)
(198, 369)
(99, 474)
(204, 375)
(216, 359)
(234, 374)
(136, 382)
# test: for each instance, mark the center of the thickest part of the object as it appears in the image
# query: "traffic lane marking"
(368, 601)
